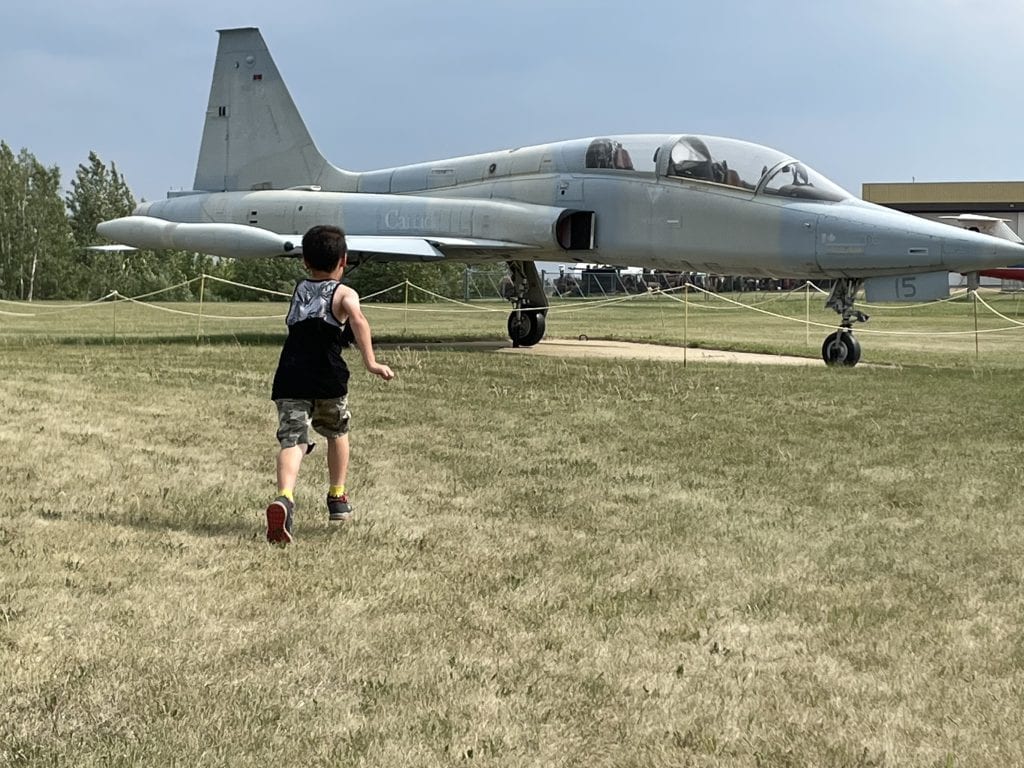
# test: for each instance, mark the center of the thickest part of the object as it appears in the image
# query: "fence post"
(405, 328)
(113, 312)
(686, 318)
(977, 351)
(807, 312)
(199, 319)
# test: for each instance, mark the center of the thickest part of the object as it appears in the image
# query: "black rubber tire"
(526, 327)
(841, 348)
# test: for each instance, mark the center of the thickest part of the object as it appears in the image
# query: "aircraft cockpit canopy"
(757, 169)
(743, 165)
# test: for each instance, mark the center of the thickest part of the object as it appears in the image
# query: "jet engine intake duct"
(575, 230)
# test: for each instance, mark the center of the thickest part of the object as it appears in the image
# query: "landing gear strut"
(526, 323)
(840, 347)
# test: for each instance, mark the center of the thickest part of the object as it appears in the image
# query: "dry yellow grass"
(555, 562)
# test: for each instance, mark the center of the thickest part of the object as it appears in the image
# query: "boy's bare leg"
(288, 462)
(337, 460)
(338, 508)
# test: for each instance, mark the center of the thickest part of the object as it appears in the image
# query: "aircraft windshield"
(795, 179)
(747, 166)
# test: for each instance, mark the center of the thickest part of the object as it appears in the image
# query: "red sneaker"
(279, 520)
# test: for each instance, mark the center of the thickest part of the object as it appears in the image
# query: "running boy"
(311, 382)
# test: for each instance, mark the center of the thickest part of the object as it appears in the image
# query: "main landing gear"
(526, 323)
(840, 347)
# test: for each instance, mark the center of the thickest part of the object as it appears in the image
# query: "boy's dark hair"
(323, 247)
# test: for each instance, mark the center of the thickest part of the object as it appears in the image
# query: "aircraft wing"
(389, 248)
(430, 248)
(239, 241)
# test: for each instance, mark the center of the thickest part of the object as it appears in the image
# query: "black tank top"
(311, 367)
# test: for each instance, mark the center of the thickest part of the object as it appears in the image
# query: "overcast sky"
(862, 90)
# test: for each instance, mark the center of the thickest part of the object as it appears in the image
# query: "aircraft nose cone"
(965, 251)
(895, 239)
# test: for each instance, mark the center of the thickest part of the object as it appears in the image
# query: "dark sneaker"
(338, 509)
(279, 520)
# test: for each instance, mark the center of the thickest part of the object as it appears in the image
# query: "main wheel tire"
(841, 348)
(526, 327)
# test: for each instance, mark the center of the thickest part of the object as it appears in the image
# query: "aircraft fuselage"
(639, 219)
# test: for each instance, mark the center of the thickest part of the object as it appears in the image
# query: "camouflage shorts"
(329, 418)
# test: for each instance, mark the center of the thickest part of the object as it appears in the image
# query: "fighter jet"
(677, 202)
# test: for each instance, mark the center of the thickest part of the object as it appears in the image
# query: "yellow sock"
(336, 490)
(287, 493)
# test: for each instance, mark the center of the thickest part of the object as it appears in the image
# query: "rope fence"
(709, 300)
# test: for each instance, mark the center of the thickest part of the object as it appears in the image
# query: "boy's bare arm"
(361, 331)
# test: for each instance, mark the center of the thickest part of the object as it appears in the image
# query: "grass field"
(952, 333)
(554, 562)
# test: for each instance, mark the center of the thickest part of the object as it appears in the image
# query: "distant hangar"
(930, 200)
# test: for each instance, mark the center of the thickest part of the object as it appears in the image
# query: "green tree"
(274, 274)
(281, 274)
(178, 267)
(99, 193)
(373, 277)
(34, 234)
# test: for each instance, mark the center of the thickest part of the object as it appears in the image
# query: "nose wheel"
(841, 348)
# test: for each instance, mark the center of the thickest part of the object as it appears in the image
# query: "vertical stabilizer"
(254, 137)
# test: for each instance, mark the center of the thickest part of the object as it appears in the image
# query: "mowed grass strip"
(958, 332)
(554, 562)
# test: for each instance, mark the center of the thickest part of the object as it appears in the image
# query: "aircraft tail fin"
(988, 225)
(254, 136)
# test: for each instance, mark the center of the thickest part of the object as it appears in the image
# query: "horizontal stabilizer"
(111, 248)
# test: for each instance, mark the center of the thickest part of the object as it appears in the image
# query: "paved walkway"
(630, 350)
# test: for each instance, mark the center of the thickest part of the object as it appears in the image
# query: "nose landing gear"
(840, 347)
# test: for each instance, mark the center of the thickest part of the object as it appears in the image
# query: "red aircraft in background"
(990, 225)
